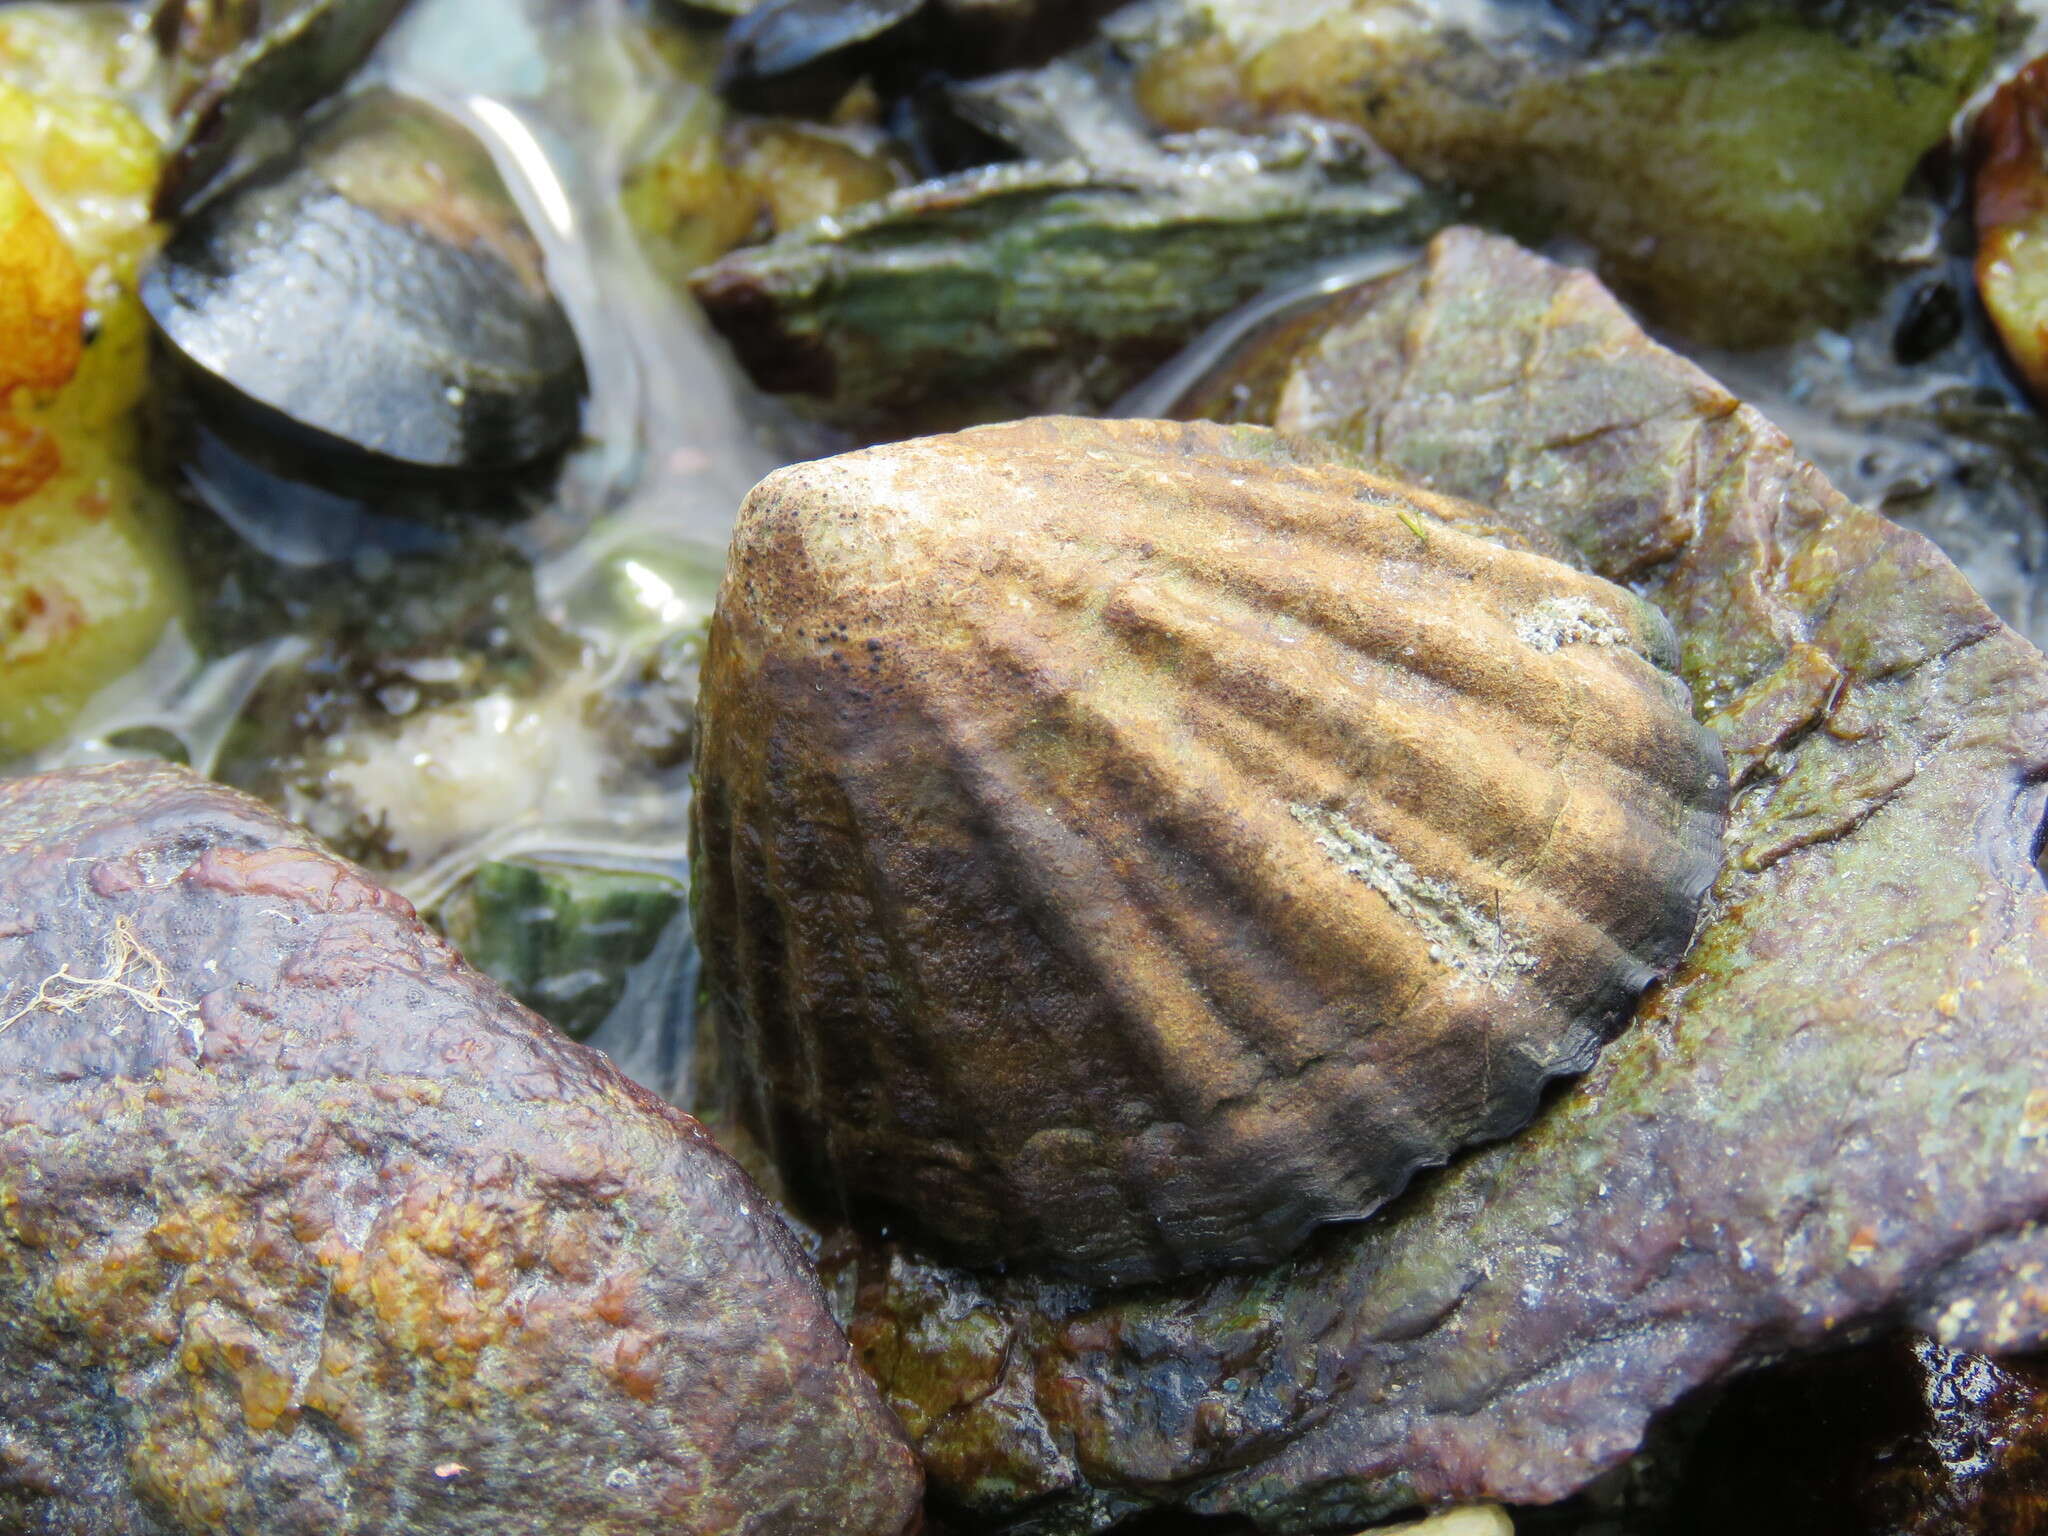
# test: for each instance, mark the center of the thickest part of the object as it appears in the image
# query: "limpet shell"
(1124, 846)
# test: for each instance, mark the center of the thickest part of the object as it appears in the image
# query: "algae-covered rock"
(305, 1227)
(1832, 1115)
(1122, 847)
(1730, 161)
(1049, 282)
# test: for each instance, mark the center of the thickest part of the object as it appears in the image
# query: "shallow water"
(626, 545)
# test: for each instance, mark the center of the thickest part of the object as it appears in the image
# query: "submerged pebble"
(1729, 163)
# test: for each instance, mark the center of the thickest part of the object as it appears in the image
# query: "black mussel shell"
(799, 56)
(380, 292)
(783, 36)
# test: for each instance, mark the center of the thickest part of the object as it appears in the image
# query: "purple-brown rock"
(306, 1227)
(1831, 1120)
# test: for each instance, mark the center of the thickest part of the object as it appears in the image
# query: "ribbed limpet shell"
(1123, 846)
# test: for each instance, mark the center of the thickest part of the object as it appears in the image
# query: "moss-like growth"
(562, 937)
(1730, 162)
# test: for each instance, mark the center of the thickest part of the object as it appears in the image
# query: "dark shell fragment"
(797, 55)
(380, 293)
(786, 35)
(239, 66)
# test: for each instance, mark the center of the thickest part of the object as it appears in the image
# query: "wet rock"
(1729, 161)
(708, 185)
(803, 171)
(1125, 846)
(309, 1229)
(376, 296)
(688, 203)
(1827, 1118)
(1911, 409)
(1902, 1436)
(1042, 283)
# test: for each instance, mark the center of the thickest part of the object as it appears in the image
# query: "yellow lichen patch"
(2010, 192)
(615, 1299)
(2034, 1116)
(632, 1358)
(42, 315)
(437, 1277)
(27, 458)
(100, 1282)
(185, 1467)
(95, 50)
(89, 576)
(220, 1344)
(337, 1385)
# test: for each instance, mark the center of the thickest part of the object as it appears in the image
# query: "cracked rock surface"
(1833, 1116)
(305, 1227)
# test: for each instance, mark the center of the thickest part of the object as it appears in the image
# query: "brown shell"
(1126, 845)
